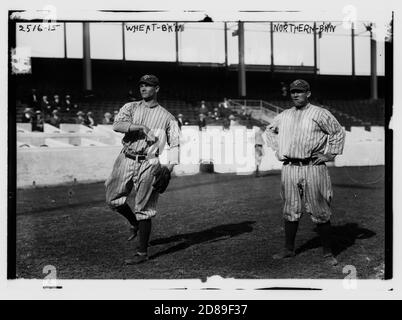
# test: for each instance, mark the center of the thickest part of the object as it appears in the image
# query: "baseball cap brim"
(148, 82)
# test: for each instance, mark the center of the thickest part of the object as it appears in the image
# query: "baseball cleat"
(330, 259)
(134, 232)
(285, 253)
(138, 258)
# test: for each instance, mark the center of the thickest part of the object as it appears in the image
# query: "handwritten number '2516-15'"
(37, 27)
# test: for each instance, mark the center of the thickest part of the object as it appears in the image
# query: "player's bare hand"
(145, 129)
(151, 136)
(321, 158)
(170, 167)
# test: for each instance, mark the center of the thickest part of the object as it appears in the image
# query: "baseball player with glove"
(307, 136)
(137, 177)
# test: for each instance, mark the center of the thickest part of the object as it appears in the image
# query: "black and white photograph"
(238, 148)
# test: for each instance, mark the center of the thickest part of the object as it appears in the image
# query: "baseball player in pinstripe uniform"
(129, 189)
(306, 136)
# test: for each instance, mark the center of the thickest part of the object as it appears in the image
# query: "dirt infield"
(207, 224)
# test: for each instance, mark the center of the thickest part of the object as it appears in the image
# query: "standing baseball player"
(258, 149)
(305, 137)
(137, 177)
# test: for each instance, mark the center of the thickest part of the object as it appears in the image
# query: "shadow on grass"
(214, 234)
(357, 186)
(343, 237)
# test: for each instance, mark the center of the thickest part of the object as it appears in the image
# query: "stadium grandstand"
(240, 71)
(225, 81)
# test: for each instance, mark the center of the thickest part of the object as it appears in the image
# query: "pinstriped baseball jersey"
(306, 132)
(301, 134)
(131, 181)
(162, 124)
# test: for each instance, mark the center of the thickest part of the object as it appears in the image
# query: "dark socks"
(127, 213)
(290, 234)
(145, 232)
(324, 231)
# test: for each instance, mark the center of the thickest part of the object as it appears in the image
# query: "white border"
(159, 289)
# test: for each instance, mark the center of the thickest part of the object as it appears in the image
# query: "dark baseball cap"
(300, 84)
(149, 79)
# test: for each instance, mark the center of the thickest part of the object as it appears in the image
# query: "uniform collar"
(151, 104)
(304, 108)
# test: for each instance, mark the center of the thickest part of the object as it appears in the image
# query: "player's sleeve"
(173, 140)
(123, 119)
(274, 125)
(336, 134)
(270, 135)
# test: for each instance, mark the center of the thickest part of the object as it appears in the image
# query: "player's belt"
(300, 162)
(140, 157)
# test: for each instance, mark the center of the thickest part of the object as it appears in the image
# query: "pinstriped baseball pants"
(306, 189)
(131, 182)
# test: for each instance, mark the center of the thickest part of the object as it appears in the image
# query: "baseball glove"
(162, 179)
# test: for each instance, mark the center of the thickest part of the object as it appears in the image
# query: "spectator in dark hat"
(33, 100)
(130, 96)
(90, 121)
(80, 118)
(55, 119)
(75, 108)
(56, 103)
(38, 121)
(203, 109)
(67, 105)
(202, 124)
(46, 107)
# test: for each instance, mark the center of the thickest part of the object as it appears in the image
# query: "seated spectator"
(284, 91)
(226, 123)
(243, 112)
(90, 121)
(38, 121)
(107, 118)
(56, 103)
(80, 118)
(115, 113)
(55, 119)
(216, 115)
(224, 110)
(203, 110)
(130, 96)
(67, 105)
(45, 106)
(28, 116)
(75, 109)
(182, 121)
(33, 100)
(202, 124)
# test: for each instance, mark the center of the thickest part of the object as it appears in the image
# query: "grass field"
(208, 224)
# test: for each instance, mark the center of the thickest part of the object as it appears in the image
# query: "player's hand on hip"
(321, 158)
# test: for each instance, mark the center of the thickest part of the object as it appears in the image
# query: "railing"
(254, 104)
(260, 110)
